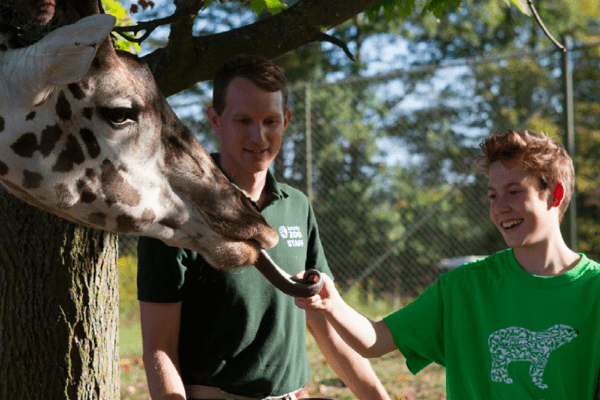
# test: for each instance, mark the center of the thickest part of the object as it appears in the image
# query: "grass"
(391, 369)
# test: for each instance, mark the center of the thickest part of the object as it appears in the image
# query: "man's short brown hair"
(537, 154)
(262, 72)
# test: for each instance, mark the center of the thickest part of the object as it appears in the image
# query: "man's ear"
(287, 116)
(213, 117)
(558, 195)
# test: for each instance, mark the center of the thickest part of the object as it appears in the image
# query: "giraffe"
(86, 134)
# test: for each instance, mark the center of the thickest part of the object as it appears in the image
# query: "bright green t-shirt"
(238, 332)
(503, 333)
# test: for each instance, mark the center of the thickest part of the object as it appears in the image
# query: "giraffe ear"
(68, 51)
(63, 56)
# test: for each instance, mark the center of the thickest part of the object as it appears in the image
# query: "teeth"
(510, 224)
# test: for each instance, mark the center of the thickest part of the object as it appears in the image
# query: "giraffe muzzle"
(310, 285)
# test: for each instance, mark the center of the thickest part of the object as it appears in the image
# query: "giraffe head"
(86, 134)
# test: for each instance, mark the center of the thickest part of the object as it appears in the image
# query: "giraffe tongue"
(309, 286)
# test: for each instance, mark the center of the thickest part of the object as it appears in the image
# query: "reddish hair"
(537, 154)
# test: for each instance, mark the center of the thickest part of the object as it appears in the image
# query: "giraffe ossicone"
(86, 134)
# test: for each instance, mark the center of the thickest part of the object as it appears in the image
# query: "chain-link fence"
(389, 161)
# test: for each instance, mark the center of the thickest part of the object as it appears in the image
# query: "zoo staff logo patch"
(293, 234)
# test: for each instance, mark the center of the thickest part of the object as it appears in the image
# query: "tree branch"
(184, 8)
(541, 24)
(323, 37)
(196, 58)
(147, 26)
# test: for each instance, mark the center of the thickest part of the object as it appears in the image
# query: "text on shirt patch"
(293, 234)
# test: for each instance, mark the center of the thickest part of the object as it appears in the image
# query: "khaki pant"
(200, 392)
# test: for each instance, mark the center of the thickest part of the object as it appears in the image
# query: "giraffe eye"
(119, 117)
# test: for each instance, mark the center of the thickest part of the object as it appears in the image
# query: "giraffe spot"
(26, 145)
(89, 139)
(30, 116)
(115, 188)
(170, 223)
(3, 169)
(148, 216)
(71, 155)
(50, 136)
(126, 223)
(97, 219)
(88, 112)
(63, 108)
(90, 174)
(1, 124)
(76, 91)
(62, 196)
(87, 195)
(31, 180)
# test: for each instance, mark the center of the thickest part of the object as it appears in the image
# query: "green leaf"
(521, 5)
(273, 6)
(390, 8)
(439, 8)
(257, 6)
(114, 8)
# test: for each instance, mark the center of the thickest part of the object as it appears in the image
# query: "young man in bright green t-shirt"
(523, 323)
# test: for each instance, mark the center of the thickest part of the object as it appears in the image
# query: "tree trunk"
(58, 307)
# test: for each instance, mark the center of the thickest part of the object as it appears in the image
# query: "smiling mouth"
(511, 224)
(256, 152)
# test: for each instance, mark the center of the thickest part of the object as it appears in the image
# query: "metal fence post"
(308, 130)
(569, 127)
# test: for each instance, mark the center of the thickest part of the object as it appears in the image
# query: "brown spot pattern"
(148, 216)
(63, 108)
(71, 155)
(31, 180)
(87, 195)
(97, 219)
(50, 136)
(30, 116)
(89, 139)
(126, 223)
(90, 174)
(76, 91)
(26, 145)
(88, 112)
(3, 169)
(169, 223)
(115, 188)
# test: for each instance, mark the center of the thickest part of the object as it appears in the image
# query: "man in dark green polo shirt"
(229, 334)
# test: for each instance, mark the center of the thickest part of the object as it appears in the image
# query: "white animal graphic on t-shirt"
(520, 344)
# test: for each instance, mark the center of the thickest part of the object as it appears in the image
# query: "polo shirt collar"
(275, 191)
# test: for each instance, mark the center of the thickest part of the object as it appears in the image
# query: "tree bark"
(58, 307)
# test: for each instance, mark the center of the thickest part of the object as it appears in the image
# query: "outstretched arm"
(355, 371)
(368, 338)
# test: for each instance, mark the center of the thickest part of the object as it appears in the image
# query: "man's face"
(522, 213)
(250, 128)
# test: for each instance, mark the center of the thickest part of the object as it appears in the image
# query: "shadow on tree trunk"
(58, 307)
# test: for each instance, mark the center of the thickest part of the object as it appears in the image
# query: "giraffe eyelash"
(119, 117)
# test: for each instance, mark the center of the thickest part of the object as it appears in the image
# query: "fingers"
(314, 303)
(320, 301)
